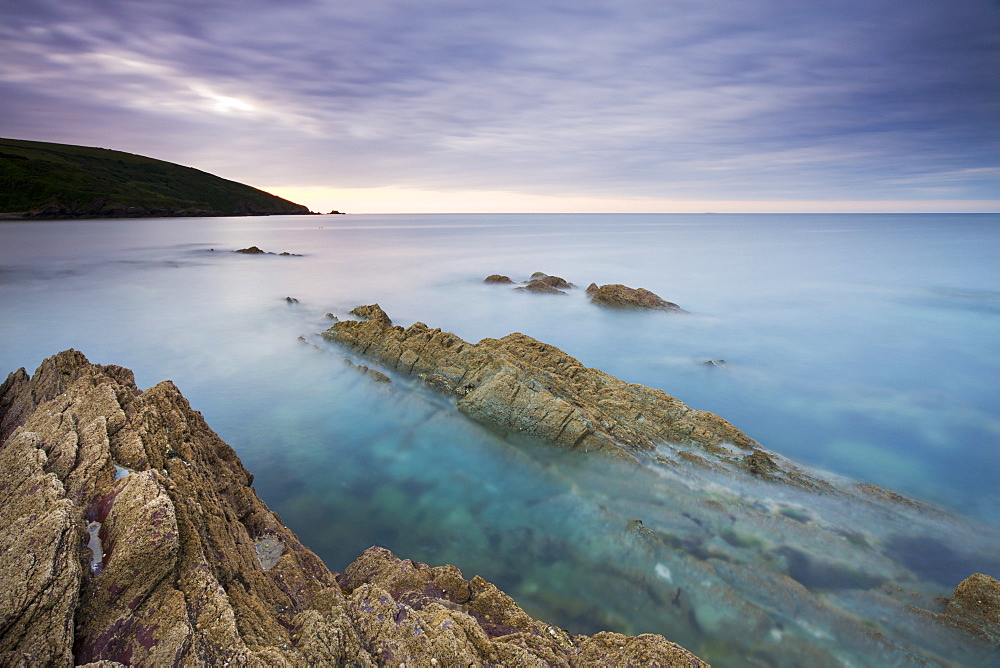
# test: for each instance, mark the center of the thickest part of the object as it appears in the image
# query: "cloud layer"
(758, 99)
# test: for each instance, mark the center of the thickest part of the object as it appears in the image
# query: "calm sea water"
(865, 346)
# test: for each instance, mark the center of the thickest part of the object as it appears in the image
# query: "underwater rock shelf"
(194, 569)
(771, 548)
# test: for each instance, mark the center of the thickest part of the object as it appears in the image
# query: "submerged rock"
(616, 295)
(375, 375)
(497, 278)
(196, 570)
(522, 385)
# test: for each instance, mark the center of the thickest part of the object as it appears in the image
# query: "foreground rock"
(616, 295)
(133, 535)
(522, 385)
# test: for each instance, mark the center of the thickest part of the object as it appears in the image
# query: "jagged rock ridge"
(522, 385)
(134, 536)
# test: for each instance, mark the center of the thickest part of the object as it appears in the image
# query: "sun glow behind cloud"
(638, 106)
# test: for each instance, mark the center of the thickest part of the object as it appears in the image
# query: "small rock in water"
(539, 285)
(254, 250)
(616, 295)
(291, 300)
(497, 278)
(554, 281)
(715, 363)
(976, 604)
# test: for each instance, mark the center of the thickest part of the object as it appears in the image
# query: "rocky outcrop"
(541, 286)
(538, 282)
(551, 281)
(616, 295)
(975, 605)
(613, 295)
(254, 250)
(133, 536)
(522, 385)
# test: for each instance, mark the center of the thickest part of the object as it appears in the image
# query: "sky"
(538, 105)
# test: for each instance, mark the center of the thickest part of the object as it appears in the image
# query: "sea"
(864, 348)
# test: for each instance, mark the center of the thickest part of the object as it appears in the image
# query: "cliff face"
(133, 535)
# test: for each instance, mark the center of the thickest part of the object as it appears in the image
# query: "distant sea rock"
(616, 295)
(552, 281)
(254, 250)
(539, 282)
(133, 536)
(539, 285)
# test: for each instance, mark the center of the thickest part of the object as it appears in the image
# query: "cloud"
(636, 99)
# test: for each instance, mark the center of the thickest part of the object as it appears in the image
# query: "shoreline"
(185, 563)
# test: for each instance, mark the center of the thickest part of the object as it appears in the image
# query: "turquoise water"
(864, 346)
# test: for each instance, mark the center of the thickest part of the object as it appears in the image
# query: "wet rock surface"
(196, 570)
(976, 606)
(522, 385)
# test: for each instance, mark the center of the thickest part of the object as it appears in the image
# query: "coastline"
(186, 565)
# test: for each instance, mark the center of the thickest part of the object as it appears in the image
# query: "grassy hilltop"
(43, 180)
